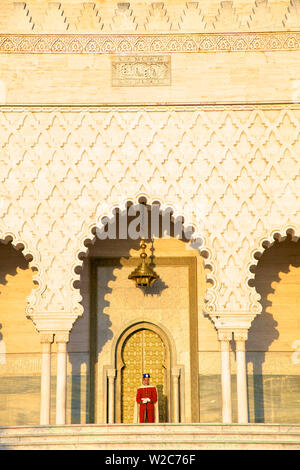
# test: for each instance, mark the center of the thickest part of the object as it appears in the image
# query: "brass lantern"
(143, 275)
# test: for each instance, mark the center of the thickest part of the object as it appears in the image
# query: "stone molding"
(149, 43)
(50, 323)
(237, 323)
(147, 108)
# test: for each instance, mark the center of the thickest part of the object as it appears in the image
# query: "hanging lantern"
(143, 275)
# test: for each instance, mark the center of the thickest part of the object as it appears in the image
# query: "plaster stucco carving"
(110, 17)
(231, 171)
(134, 43)
(141, 71)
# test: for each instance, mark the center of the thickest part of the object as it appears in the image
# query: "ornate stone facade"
(228, 172)
(207, 123)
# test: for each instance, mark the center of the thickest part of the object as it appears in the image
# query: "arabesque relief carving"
(158, 27)
(185, 17)
(231, 171)
(133, 44)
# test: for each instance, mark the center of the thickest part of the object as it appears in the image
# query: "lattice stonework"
(142, 352)
(231, 171)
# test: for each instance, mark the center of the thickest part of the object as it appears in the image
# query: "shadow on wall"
(19, 386)
(11, 260)
(108, 249)
(275, 260)
(162, 404)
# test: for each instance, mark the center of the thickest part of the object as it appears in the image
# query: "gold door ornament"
(143, 351)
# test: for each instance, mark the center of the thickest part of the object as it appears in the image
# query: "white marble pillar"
(111, 373)
(61, 384)
(176, 396)
(46, 341)
(241, 337)
(225, 337)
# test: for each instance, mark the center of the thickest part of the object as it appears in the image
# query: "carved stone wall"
(231, 171)
(147, 16)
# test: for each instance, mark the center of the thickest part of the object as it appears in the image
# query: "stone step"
(165, 446)
(152, 428)
(161, 436)
(143, 438)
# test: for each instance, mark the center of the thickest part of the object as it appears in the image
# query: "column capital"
(240, 334)
(111, 373)
(53, 322)
(232, 320)
(46, 338)
(224, 334)
(62, 337)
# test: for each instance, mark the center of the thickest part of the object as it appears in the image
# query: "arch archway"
(273, 373)
(262, 244)
(197, 241)
(19, 339)
(106, 270)
(32, 257)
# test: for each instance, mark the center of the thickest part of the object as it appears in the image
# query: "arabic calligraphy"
(141, 71)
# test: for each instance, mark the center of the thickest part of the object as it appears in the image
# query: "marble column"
(225, 336)
(111, 373)
(176, 396)
(241, 337)
(46, 341)
(61, 384)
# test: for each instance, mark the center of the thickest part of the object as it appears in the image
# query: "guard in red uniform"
(146, 399)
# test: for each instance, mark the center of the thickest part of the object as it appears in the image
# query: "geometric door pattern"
(143, 352)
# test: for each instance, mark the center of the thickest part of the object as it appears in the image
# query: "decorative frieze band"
(148, 43)
(141, 108)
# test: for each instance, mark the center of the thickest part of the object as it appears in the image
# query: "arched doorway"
(143, 351)
(115, 303)
(142, 348)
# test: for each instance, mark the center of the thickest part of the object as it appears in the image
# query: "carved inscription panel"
(141, 71)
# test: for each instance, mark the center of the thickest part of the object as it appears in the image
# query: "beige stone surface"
(196, 78)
